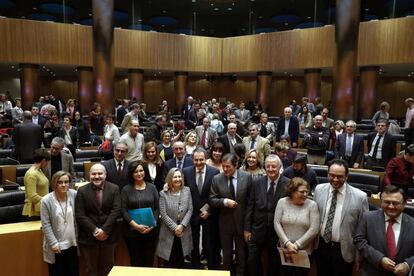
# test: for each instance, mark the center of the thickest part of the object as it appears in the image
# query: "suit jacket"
(226, 143)
(192, 119)
(293, 129)
(271, 130)
(27, 137)
(67, 165)
(211, 135)
(73, 133)
(231, 220)
(245, 117)
(153, 134)
(357, 148)
(355, 204)
(120, 114)
(126, 122)
(89, 216)
(112, 173)
(388, 146)
(199, 199)
(172, 163)
(262, 145)
(159, 178)
(373, 244)
(257, 216)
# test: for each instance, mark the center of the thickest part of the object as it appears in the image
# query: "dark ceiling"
(217, 18)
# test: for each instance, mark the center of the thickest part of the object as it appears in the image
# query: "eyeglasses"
(336, 175)
(120, 151)
(394, 203)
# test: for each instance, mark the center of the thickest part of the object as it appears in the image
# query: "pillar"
(263, 87)
(346, 38)
(136, 84)
(180, 87)
(103, 61)
(313, 83)
(29, 83)
(85, 89)
(368, 83)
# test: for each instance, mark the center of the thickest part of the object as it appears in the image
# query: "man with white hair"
(289, 126)
(134, 141)
(259, 231)
(180, 161)
(230, 138)
(97, 208)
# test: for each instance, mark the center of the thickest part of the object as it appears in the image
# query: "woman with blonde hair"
(191, 142)
(382, 113)
(152, 159)
(59, 227)
(253, 163)
(176, 209)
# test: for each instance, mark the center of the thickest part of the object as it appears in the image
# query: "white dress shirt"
(336, 224)
(379, 151)
(396, 227)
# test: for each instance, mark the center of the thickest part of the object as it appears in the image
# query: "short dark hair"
(384, 121)
(230, 157)
(294, 185)
(391, 189)
(339, 162)
(40, 154)
(409, 150)
(199, 149)
(132, 167)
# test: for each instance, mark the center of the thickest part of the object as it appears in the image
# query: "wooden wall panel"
(121, 89)
(395, 91)
(62, 88)
(386, 42)
(158, 89)
(283, 91)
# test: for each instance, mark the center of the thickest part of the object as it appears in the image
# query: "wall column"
(136, 84)
(313, 83)
(29, 83)
(103, 61)
(180, 87)
(346, 38)
(368, 84)
(85, 89)
(263, 87)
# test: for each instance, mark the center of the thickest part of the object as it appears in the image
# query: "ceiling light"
(286, 23)
(216, 9)
(212, 4)
(12, 67)
(233, 3)
(285, 73)
(366, 9)
(229, 9)
(90, 14)
(34, 8)
(260, 16)
(308, 17)
(164, 11)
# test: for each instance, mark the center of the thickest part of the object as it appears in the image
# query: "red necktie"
(391, 239)
(119, 171)
(203, 138)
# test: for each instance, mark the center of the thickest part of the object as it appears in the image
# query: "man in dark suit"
(230, 192)
(349, 146)
(381, 146)
(192, 118)
(26, 137)
(198, 177)
(389, 249)
(98, 206)
(36, 117)
(230, 138)
(181, 160)
(207, 135)
(288, 126)
(121, 112)
(117, 168)
(259, 230)
(154, 131)
(187, 107)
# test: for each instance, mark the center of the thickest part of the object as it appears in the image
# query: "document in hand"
(143, 216)
(300, 259)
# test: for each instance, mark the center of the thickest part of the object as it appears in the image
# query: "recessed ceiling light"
(90, 14)
(285, 73)
(308, 17)
(290, 75)
(286, 23)
(366, 9)
(229, 9)
(260, 16)
(140, 20)
(203, 30)
(164, 11)
(233, 3)
(216, 9)
(34, 8)
(212, 4)
(12, 67)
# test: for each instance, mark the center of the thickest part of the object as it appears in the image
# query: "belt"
(331, 243)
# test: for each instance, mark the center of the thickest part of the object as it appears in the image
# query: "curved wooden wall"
(380, 42)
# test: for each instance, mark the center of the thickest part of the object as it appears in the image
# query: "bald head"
(97, 175)
(27, 115)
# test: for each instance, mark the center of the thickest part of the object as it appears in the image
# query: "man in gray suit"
(230, 193)
(242, 114)
(389, 250)
(340, 206)
(60, 160)
(207, 136)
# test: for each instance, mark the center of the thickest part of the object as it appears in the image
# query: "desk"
(126, 271)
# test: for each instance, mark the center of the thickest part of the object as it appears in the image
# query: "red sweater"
(399, 171)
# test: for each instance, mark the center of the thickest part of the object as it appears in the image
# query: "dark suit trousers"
(99, 259)
(268, 245)
(329, 260)
(210, 244)
(227, 239)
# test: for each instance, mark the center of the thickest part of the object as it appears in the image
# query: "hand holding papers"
(299, 259)
(143, 216)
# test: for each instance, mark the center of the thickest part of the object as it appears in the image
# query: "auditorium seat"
(368, 183)
(87, 155)
(4, 153)
(78, 166)
(20, 172)
(11, 206)
(365, 128)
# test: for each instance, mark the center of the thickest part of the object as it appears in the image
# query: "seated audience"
(57, 212)
(36, 184)
(176, 209)
(381, 146)
(252, 163)
(155, 166)
(400, 170)
(140, 239)
(216, 154)
(297, 222)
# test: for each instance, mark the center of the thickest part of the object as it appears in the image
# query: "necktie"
(179, 164)
(327, 234)
(200, 181)
(263, 131)
(374, 154)
(270, 194)
(252, 143)
(348, 148)
(98, 195)
(119, 171)
(203, 138)
(232, 190)
(391, 239)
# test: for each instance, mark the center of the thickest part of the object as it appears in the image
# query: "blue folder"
(143, 216)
